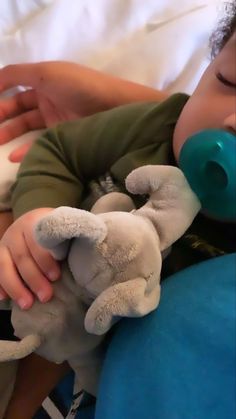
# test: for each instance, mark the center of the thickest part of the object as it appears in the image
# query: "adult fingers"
(18, 74)
(21, 124)
(17, 104)
(17, 155)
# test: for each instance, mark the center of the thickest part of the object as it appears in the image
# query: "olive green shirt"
(61, 165)
(66, 162)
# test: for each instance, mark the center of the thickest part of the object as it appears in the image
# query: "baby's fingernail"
(53, 275)
(23, 303)
(43, 296)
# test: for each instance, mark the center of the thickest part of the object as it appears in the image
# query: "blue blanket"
(179, 362)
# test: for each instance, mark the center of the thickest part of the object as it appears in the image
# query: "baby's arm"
(22, 258)
(61, 164)
(56, 172)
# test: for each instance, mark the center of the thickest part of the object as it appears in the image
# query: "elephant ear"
(55, 230)
(126, 299)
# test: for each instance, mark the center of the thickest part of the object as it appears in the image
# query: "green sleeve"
(61, 164)
(57, 169)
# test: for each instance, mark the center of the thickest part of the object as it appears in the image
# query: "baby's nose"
(230, 123)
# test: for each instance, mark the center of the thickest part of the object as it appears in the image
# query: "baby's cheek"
(177, 144)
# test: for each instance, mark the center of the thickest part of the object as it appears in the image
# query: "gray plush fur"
(111, 269)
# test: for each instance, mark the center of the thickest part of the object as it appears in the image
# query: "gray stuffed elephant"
(111, 269)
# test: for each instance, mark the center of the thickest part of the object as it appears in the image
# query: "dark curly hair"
(225, 29)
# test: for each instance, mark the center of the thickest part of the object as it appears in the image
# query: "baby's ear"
(55, 230)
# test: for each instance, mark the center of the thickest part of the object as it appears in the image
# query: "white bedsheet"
(161, 43)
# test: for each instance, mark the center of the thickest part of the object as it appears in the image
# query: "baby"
(70, 164)
(76, 162)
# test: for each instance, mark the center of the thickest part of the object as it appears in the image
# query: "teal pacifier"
(208, 160)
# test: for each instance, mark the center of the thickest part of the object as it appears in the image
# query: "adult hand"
(59, 91)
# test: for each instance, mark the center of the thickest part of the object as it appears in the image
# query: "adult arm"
(61, 91)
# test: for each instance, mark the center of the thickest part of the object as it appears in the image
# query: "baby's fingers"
(44, 260)
(3, 294)
(30, 272)
(11, 282)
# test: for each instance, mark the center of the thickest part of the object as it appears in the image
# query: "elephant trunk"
(10, 351)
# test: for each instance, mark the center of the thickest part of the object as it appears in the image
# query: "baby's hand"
(25, 267)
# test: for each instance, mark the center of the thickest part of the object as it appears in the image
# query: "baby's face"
(213, 103)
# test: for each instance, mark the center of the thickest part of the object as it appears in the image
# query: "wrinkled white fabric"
(162, 43)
